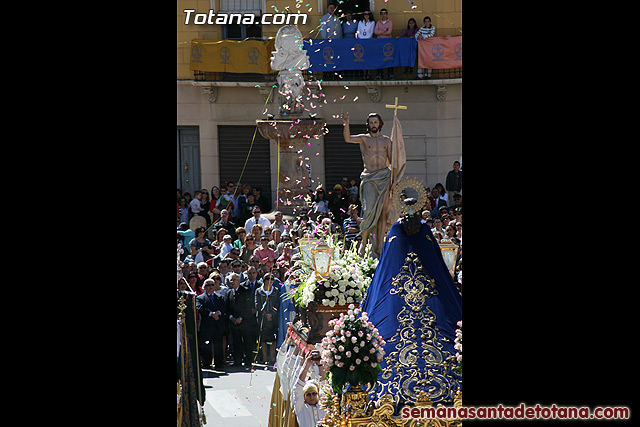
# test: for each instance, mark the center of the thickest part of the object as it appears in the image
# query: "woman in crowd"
(183, 285)
(247, 248)
(321, 203)
(205, 203)
(256, 230)
(217, 243)
(215, 195)
(450, 229)
(242, 234)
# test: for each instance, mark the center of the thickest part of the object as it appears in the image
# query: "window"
(242, 31)
(237, 31)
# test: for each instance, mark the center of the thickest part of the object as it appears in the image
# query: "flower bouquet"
(349, 277)
(352, 349)
(458, 346)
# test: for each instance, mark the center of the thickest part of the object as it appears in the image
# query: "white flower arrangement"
(348, 279)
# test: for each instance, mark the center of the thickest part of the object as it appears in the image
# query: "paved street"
(237, 398)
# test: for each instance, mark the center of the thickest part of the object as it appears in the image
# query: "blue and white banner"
(361, 54)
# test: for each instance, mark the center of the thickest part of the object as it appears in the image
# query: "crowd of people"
(238, 264)
(346, 26)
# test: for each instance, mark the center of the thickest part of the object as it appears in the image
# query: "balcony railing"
(395, 74)
(331, 60)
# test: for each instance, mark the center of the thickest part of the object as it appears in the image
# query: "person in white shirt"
(226, 246)
(257, 219)
(306, 398)
(195, 203)
(366, 27)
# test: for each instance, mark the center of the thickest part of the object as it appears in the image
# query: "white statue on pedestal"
(290, 59)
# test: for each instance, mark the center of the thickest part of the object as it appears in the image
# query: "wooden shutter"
(341, 158)
(234, 144)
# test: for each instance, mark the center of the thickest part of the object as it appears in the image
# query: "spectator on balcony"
(383, 27)
(330, 27)
(412, 29)
(349, 26)
(383, 30)
(424, 33)
(366, 28)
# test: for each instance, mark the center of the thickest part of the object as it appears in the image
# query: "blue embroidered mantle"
(415, 306)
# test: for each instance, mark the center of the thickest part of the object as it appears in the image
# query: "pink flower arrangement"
(352, 349)
(458, 346)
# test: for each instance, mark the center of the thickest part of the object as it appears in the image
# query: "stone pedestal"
(291, 136)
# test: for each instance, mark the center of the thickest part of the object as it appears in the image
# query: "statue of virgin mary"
(415, 305)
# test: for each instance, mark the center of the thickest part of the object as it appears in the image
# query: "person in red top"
(382, 31)
(384, 26)
(265, 254)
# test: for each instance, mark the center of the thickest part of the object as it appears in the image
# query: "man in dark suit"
(213, 313)
(439, 202)
(242, 320)
(225, 223)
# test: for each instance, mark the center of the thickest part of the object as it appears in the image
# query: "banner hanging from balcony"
(230, 56)
(440, 52)
(360, 54)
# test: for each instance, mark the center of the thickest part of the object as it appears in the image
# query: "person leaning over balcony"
(330, 26)
(424, 33)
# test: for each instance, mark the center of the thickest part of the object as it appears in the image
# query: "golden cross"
(396, 107)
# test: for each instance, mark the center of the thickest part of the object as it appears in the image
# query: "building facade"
(217, 138)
